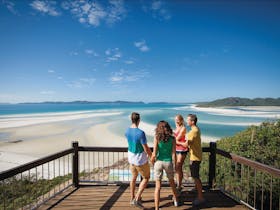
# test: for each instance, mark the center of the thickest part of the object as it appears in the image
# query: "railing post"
(75, 164)
(212, 165)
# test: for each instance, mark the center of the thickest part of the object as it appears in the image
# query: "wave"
(32, 119)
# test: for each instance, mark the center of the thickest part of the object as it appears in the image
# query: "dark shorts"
(182, 152)
(194, 168)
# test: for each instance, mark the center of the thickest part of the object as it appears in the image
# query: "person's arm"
(153, 159)
(191, 136)
(181, 133)
(145, 146)
(147, 150)
(174, 156)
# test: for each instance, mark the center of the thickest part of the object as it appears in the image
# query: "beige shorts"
(144, 170)
(163, 165)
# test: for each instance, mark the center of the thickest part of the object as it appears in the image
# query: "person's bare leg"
(142, 186)
(132, 187)
(173, 187)
(179, 168)
(157, 193)
(198, 186)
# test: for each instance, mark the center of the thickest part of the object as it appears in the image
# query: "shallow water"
(214, 123)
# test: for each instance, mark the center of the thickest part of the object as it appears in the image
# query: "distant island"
(236, 101)
(86, 102)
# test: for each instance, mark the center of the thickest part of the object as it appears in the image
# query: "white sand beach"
(51, 134)
(34, 119)
(33, 136)
(246, 111)
(27, 137)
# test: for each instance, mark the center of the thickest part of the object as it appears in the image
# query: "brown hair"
(135, 117)
(193, 118)
(163, 131)
(181, 119)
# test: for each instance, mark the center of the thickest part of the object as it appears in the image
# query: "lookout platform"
(118, 196)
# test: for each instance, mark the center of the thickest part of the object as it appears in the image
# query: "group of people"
(169, 148)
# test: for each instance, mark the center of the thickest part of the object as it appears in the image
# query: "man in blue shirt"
(138, 152)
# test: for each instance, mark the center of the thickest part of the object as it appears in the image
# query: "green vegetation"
(236, 101)
(16, 192)
(258, 143)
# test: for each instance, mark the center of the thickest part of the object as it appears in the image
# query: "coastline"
(13, 154)
(241, 111)
(27, 137)
(32, 142)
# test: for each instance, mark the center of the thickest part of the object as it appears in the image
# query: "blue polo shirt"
(135, 138)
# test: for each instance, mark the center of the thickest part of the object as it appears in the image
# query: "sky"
(172, 51)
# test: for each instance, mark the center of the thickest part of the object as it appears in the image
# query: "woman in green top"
(164, 151)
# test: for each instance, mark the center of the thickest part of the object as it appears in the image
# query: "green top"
(164, 152)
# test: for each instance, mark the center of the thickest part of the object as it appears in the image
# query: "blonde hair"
(180, 119)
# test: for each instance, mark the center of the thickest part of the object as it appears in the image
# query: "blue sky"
(175, 51)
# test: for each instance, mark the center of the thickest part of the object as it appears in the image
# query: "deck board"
(117, 197)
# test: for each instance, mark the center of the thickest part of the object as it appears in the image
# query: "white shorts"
(163, 165)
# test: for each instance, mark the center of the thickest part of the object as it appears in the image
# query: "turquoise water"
(211, 124)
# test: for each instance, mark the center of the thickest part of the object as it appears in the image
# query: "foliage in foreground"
(18, 192)
(258, 143)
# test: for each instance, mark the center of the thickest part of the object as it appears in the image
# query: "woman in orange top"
(181, 151)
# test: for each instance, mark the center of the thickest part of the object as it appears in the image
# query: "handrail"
(256, 165)
(76, 149)
(19, 169)
(118, 149)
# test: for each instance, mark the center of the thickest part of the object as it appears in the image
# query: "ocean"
(214, 123)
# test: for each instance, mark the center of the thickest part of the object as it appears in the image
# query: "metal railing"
(251, 183)
(30, 185)
(105, 165)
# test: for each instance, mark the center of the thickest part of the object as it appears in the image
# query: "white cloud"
(129, 62)
(142, 46)
(45, 6)
(74, 53)
(93, 13)
(51, 71)
(60, 78)
(10, 6)
(113, 54)
(82, 83)
(91, 52)
(128, 76)
(156, 5)
(47, 92)
(116, 11)
(108, 52)
(158, 10)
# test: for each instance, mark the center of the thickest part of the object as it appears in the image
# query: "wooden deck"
(117, 197)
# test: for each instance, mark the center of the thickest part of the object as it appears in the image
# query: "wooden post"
(75, 172)
(212, 165)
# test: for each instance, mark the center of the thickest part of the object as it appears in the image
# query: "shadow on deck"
(117, 197)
